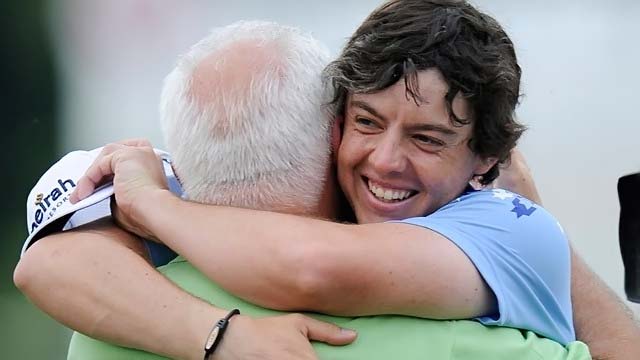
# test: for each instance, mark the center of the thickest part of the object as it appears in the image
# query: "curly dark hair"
(469, 48)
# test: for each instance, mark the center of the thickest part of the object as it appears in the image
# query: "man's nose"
(388, 157)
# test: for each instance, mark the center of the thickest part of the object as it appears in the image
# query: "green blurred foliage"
(28, 101)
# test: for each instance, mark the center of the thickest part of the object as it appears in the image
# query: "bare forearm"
(294, 263)
(235, 248)
(102, 288)
(601, 320)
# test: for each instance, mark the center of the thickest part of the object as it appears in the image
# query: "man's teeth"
(388, 194)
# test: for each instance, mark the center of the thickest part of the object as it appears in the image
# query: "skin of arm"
(371, 269)
(97, 280)
(600, 318)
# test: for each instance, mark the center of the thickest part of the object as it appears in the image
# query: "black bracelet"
(215, 336)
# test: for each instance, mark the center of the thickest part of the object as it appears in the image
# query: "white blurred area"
(113, 55)
(579, 59)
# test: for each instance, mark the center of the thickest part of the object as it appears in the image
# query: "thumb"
(328, 333)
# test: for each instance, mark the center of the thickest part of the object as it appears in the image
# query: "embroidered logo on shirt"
(502, 194)
(521, 209)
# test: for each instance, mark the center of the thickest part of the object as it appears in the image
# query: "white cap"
(48, 205)
(48, 201)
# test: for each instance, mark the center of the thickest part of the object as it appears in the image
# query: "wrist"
(239, 330)
(198, 327)
(216, 335)
(152, 210)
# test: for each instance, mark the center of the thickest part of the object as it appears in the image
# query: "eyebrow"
(417, 127)
(433, 127)
(368, 108)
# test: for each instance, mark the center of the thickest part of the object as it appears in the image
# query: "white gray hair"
(263, 142)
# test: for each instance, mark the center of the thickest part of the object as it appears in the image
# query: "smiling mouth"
(388, 195)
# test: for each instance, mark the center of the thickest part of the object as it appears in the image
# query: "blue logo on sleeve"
(521, 209)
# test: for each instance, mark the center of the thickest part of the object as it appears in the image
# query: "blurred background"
(79, 73)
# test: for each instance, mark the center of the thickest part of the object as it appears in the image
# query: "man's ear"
(484, 165)
(336, 136)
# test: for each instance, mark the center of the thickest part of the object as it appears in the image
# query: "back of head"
(469, 48)
(243, 116)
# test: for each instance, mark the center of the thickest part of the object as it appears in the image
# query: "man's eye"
(365, 122)
(366, 126)
(429, 141)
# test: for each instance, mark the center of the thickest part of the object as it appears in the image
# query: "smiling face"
(398, 159)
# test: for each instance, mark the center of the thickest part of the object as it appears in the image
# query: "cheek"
(343, 158)
(352, 149)
(345, 162)
(438, 174)
(343, 172)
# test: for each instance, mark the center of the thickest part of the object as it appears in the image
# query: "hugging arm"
(388, 268)
(601, 319)
(290, 262)
(97, 280)
(295, 263)
(307, 264)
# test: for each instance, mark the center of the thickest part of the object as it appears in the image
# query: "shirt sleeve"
(521, 252)
(160, 254)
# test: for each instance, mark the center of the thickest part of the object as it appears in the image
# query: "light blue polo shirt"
(521, 252)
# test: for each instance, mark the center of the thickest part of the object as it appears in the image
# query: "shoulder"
(501, 201)
(520, 250)
(497, 215)
(498, 223)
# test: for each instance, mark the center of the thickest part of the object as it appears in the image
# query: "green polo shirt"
(379, 337)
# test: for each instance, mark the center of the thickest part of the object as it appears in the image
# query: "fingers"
(102, 168)
(325, 332)
(100, 171)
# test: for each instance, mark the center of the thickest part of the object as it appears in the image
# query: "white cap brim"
(48, 201)
(48, 205)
